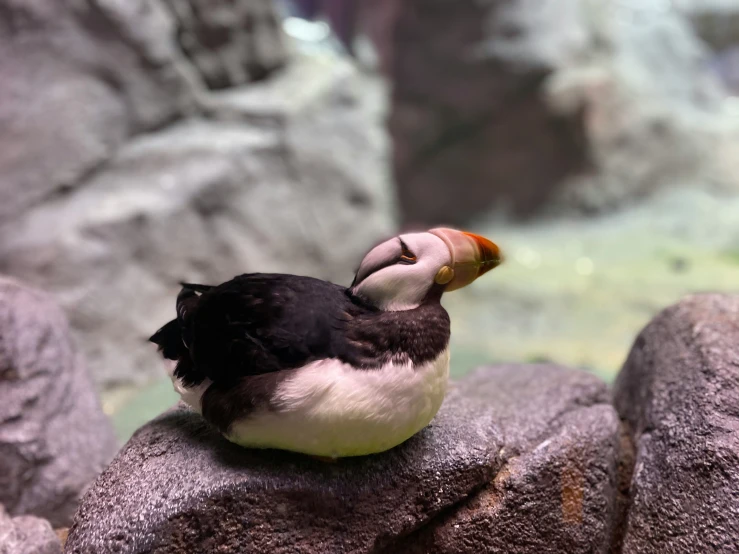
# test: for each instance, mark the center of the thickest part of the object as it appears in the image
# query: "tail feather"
(169, 340)
(174, 338)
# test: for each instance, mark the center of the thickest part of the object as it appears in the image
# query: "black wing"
(260, 323)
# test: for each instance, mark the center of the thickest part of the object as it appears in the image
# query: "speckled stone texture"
(679, 392)
(54, 438)
(561, 486)
(27, 535)
(230, 42)
(544, 430)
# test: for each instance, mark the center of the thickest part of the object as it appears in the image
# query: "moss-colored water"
(578, 292)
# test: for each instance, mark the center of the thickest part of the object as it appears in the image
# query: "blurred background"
(147, 142)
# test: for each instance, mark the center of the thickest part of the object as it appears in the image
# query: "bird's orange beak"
(472, 256)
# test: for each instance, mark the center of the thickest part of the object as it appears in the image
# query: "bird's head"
(402, 272)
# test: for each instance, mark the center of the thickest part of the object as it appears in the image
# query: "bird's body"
(295, 363)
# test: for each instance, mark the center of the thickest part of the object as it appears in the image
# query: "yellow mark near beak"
(472, 256)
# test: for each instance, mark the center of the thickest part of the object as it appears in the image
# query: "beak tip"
(490, 254)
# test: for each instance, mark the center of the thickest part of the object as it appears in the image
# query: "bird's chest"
(330, 408)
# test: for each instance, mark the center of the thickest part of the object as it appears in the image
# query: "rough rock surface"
(469, 122)
(679, 393)
(54, 438)
(544, 430)
(561, 488)
(27, 535)
(78, 79)
(230, 43)
(288, 174)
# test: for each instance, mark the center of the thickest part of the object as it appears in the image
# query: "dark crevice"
(624, 474)
(400, 540)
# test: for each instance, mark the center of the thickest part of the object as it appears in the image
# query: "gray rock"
(655, 110)
(467, 104)
(78, 79)
(715, 20)
(560, 488)
(54, 438)
(526, 448)
(679, 393)
(27, 535)
(230, 43)
(548, 106)
(253, 189)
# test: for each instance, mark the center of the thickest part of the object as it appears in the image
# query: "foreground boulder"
(54, 438)
(679, 393)
(521, 456)
(27, 535)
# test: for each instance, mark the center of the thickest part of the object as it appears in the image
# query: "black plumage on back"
(262, 323)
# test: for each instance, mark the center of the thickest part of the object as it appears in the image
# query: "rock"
(654, 110)
(467, 105)
(560, 489)
(715, 20)
(679, 393)
(54, 439)
(230, 43)
(531, 107)
(27, 535)
(79, 78)
(204, 200)
(506, 439)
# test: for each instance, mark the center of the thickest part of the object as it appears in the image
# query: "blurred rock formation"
(27, 535)
(531, 106)
(54, 438)
(124, 172)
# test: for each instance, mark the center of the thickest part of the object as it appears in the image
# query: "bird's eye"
(406, 256)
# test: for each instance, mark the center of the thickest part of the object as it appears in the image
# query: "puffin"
(278, 361)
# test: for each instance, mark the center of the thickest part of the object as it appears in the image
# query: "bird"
(288, 362)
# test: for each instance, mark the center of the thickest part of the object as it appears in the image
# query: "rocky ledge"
(521, 459)
(27, 535)
(54, 437)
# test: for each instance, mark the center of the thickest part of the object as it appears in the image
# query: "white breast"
(328, 408)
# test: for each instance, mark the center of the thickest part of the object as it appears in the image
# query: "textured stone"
(78, 79)
(230, 42)
(679, 393)
(54, 439)
(27, 535)
(559, 488)
(178, 486)
(205, 200)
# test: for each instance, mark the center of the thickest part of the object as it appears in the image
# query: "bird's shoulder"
(261, 323)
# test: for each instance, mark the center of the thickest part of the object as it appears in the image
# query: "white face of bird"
(400, 273)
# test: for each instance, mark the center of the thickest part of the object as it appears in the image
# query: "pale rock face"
(123, 174)
(27, 535)
(54, 438)
(571, 106)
